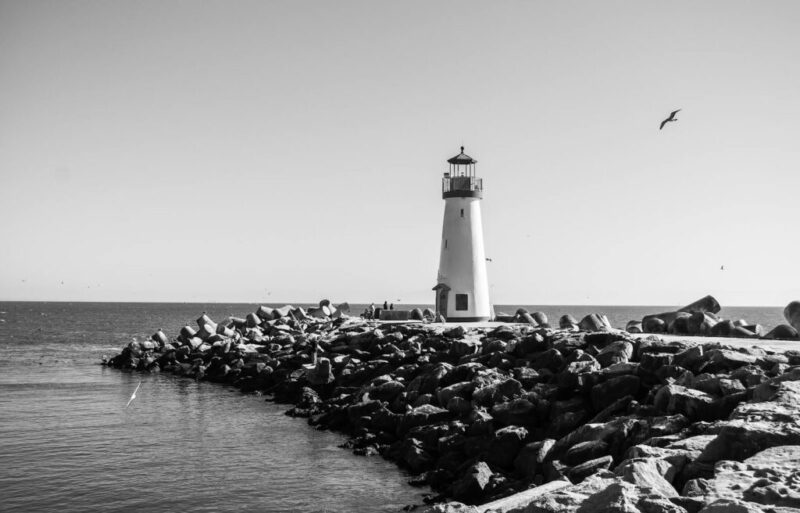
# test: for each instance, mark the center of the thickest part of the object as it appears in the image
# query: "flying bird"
(133, 395)
(670, 118)
(722, 268)
(488, 259)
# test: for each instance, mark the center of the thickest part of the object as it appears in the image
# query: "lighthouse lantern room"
(462, 286)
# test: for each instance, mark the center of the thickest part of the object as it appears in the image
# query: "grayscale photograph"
(440, 256)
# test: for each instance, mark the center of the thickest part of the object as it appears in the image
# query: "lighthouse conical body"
(462, 285)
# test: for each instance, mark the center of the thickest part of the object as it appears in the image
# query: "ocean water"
(67, 442)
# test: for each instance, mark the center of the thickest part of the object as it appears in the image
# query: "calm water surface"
(67, 443)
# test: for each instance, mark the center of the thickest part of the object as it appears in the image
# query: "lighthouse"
(462, 286)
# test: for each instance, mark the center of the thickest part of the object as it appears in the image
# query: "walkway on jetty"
(779, 346)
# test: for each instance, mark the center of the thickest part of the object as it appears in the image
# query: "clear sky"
(293, 150)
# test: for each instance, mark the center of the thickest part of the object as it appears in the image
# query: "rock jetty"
(700, 319)
(600, 420)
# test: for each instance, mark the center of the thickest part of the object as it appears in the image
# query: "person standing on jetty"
(371, 311)
(385, 305)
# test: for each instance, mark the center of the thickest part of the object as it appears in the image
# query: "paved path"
(778, 346)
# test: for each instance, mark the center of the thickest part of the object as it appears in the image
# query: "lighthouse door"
(441, 300)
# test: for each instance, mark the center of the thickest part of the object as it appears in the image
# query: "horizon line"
(285, 303)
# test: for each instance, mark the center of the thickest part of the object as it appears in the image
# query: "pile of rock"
(591, 322)
(700, 319)
(482, 414)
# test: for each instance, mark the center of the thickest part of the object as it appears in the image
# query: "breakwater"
(484, 413)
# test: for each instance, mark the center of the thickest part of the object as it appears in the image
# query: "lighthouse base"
(469, 319)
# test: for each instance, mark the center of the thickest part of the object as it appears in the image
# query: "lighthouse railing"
(461, 183)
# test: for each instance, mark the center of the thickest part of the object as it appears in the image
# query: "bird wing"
(663, 123)
(672, 115)
(133, 395)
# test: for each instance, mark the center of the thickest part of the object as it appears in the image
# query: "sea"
(69, 444)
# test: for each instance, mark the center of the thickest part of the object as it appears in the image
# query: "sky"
(288, 151)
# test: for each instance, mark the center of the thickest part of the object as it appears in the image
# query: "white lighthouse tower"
(462, 287)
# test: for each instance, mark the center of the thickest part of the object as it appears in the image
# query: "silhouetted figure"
(391, 307)
(670, 118)
(385, 305)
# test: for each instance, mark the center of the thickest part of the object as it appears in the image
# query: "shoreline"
(483, 413)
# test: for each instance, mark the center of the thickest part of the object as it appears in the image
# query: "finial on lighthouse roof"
(462, 158)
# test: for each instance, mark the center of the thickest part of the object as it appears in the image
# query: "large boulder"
(653, 324)
(588, 468)
(694, 404)
(660, 323)
(585, 451)
(567, 322)
(497, 392)
(505, 446)
(740, 439)
(428, 382)
(647, 473)
(520, 412)
(634, 327)
(704, 304)
(720, 360)
(462, 389)
(594, 322)
(782, 332)
(792, 314)
(608, 392)
(322, 373)
(617, 433)
(471, 485)
(768, 478)
(620, 351)
(624, 497)
(414, 455)
(552, 359)
(422, 416)
(700, 323)
(567, 499)
(530, 459)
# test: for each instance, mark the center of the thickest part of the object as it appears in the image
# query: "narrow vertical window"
(462, 302)
(445, 244)
(462, 212)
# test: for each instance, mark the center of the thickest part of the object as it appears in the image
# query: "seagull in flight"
(670, 118)
(133, 395)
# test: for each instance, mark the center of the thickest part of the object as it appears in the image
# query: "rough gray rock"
(473, 482)
(530, 459)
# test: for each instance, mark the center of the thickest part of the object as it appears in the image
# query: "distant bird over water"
(133, 395)
(670, 118)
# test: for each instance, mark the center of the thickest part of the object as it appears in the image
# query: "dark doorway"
(442, 291)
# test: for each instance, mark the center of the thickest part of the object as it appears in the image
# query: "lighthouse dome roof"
(462, 158)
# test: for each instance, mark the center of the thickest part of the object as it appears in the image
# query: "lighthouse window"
(462, 302)
(462, 212)
(445, 244)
